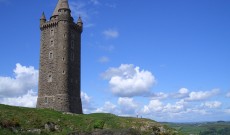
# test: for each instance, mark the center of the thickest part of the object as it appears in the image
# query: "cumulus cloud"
(128, 81)
(153, 106)
(178, 107)
(176, 110)
(127, 105)
(108, 108)
(201, 95)
(159, 95)
(27, 100)
(156, 106)
(183, 92)
(111, 33)
(85, 98)
(211, 104)
(25, 78)
(103, 59)
(87, 103)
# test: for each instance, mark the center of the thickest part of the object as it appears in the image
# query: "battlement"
(48, 24)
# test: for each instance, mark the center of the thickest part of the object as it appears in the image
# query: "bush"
(99, 124)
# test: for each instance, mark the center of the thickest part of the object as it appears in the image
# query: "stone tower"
(60, 58)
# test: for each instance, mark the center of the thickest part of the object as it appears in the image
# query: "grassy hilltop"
(20, 120)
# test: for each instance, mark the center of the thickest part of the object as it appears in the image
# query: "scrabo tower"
(60, 58)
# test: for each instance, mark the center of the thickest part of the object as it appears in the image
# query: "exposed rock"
(50, 126)
(34, 131)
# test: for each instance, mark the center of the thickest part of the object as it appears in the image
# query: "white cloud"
(103, 59)
(27, 100)
(128, 81)
(201, 95)
(183, 92)
(178, 107)
(108, 108)
(228, 94)
(156, 106)
(85, 98)
(211, 104)
(87, 103)
(111, 33)
(127, 105)
(153, 106)
(26, 78)
(159, 95)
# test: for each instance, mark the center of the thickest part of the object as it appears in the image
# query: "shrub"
(99, 124)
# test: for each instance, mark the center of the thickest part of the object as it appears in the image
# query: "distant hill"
(20, 120)
(202, 128)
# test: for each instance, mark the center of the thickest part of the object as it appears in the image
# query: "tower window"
(63, 72)
(50, 78)
(51, 55)
(51, 32)
(46, 100)
(65, 35)
(63, 58)
(51, 42)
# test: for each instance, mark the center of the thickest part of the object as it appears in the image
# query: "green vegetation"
(20, 120)
(205, 128)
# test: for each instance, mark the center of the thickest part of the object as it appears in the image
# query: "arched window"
(51, 42)
(51, 55)
(46, 100)
(51, 32)
(50, 77)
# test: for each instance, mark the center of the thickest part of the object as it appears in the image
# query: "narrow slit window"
(51, 55)
(63, 72)
(52, 32)
(46, 100)
(51, 42)
(50, 78)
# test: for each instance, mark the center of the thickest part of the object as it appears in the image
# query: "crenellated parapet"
(48, 24)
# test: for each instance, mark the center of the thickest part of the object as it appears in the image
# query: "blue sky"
(161, 59)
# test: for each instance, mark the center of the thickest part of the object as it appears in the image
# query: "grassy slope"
(196, 128)
(24, 119)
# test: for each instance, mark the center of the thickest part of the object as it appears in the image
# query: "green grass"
(19, 120)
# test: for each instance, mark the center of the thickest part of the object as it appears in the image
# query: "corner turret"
(80, 23)
(42, 19)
